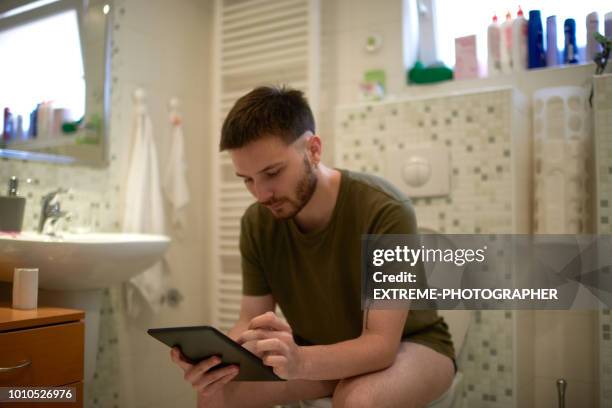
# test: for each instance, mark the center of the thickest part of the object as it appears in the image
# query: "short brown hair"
(266, 111)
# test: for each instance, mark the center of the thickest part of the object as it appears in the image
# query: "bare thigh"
(418, 376)
(267, 394)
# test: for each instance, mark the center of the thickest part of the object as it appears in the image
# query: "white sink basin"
(80, 261)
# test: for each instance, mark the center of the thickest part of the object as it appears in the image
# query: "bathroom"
(167, 58)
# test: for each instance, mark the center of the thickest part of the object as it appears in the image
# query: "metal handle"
(561, 386)
(23, 364)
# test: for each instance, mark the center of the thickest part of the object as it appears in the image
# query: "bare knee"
(356, 394)
(352, 398)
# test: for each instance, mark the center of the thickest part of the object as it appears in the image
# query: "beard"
(304, 191)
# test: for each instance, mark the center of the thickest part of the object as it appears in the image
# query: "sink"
(74, 268)
(80, 261)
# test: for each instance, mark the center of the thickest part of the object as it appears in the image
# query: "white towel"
(144, 213)
(174, 179)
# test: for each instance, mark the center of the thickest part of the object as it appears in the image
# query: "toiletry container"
(506, 45)
(592, 46)
(519, 42)
(11, 209)
(570, 52)
(493, 48)
(552, 52)
(535, 39)
(7, 131)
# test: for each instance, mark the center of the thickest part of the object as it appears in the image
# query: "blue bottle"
(32, 131)
(535, 41)
(570, 52)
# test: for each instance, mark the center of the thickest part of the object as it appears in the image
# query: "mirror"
(54, 81)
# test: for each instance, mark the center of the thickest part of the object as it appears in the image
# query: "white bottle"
(506, 45)
(493, 48)
(519, 42)
(42, 121)
(592, 46)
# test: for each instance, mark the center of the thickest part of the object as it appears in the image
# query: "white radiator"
(256, 42)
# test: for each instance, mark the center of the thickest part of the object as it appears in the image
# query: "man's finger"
(256, 334)
(272, 345)
(269, 320)
(178, 359)
(275, 360)
(217, 385)
(203, 366)
(213, 376)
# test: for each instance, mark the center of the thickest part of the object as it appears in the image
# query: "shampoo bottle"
(506, 44)
(570, 53)
(535, 39)
(493, 47)
(519, 41)
(8, 131)
(552, 52)
(592, 46)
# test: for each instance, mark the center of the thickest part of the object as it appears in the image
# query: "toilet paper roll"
(25, 288)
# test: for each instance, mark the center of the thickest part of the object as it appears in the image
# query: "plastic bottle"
(44, 120)
(7, 132)
(552, 52)
(493, 48)
(32, 130)
(535, 39)
(592, 46)
(570, 53)
(19, 135)
(519, 41)
(506, 44)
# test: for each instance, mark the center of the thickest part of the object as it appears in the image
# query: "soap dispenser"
(12, 208)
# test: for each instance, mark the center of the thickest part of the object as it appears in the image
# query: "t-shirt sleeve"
(254, 282)
(395, 224)
(396, 217)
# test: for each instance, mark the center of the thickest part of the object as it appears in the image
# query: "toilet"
(458, 323)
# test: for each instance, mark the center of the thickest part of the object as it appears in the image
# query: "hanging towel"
(143, 211)
(174, 179)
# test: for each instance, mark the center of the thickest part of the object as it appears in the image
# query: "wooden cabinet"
(42, 347)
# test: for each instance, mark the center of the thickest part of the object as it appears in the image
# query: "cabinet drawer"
(55, 354)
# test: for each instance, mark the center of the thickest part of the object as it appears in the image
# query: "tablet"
(200, 342)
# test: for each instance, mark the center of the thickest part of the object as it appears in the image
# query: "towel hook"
(173, 107)
(139, 97)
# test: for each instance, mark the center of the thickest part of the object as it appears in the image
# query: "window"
(42, 62)
(457, 19)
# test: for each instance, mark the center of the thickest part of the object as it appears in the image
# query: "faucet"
(50, 209)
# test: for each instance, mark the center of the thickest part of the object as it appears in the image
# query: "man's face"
(280, 177)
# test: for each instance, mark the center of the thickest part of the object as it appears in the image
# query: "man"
(300, 245)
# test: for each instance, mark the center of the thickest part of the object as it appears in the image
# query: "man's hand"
(206, 383)
(271, 339)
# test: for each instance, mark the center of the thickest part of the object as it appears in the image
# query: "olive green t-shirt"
(315, 277)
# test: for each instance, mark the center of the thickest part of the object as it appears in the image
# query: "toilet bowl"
(458, 323)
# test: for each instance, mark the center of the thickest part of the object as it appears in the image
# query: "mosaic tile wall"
(93, 202)
(602, 104)
(478, 130)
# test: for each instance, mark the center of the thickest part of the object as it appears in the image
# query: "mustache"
(273, 201)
